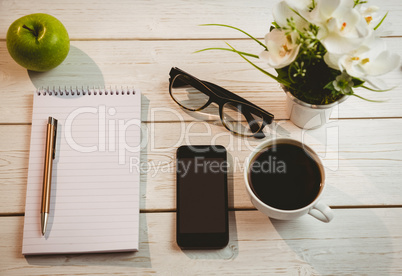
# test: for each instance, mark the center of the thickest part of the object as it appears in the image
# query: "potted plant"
(322, 50)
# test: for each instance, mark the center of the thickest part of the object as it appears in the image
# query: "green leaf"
(296, 12)
(382, 20)
(377, 90)
(227, 49)
(373, 101)
(260, 69)
(359, 2)
(228, 26)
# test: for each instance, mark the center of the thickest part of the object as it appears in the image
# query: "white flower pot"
(308, 116)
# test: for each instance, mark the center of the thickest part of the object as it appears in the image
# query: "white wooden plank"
(357, 241)
(146, 64)
(160, 19)
(362, 156)
(360, 171)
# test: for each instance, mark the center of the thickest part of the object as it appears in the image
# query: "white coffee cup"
(316, 208)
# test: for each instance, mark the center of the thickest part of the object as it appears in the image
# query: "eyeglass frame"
(222, 96)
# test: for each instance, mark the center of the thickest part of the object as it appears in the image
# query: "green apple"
(38, 42)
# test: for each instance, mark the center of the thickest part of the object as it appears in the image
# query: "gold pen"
(47, 172)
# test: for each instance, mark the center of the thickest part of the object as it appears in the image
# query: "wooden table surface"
(135, 43)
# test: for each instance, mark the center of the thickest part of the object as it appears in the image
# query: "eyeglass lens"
(234, 119)
(186, 94)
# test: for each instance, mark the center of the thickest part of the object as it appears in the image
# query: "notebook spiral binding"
(78, 91)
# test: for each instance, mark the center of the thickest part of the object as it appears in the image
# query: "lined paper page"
(94, 204)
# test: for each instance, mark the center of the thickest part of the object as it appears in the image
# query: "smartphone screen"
(202, 201)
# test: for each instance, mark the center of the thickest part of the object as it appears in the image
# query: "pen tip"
(44, 217)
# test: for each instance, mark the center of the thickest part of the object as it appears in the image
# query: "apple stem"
(29, 29)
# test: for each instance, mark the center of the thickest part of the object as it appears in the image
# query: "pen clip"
(53, 121)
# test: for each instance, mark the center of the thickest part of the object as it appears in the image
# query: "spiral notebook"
(94, 204)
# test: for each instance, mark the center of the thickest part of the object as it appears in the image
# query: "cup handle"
(322, 212)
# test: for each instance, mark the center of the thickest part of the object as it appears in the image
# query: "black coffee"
(285, 176)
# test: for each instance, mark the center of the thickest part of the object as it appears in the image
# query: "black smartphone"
(202, 197)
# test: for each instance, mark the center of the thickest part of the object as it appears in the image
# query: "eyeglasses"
(237, 114)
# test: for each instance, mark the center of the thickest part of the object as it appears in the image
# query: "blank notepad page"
(94, 205)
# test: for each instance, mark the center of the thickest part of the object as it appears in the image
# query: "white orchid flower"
(367, 62)
(286, 9)
(307, 10)
(299, 5)
(371, 15)
(282, 48)
(342, 28)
